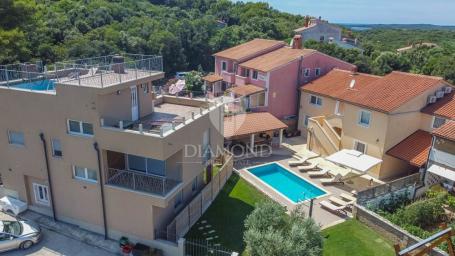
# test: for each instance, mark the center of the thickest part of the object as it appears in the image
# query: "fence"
(202, 247)
(363, 197)
(199, 204)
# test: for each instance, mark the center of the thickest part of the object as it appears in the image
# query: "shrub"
(271, 231)
(422, 214)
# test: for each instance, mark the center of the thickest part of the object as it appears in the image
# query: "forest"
(187, 32)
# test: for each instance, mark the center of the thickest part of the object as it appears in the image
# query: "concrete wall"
(321, 29)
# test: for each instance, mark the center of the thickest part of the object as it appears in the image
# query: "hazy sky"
(440, 12)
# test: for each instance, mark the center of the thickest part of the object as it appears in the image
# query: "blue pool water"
(41, 85)
(290, 185)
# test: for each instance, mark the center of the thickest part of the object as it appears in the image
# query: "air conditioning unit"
(448, 89)
(431, 99)
(439, 94)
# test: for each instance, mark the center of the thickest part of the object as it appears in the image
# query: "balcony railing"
(142, 182)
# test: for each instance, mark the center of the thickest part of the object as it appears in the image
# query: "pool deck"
(323, 217)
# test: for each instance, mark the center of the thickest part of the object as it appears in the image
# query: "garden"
(422, 217)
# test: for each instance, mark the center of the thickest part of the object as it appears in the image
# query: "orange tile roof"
(444, 107)
(212, 78)
(384, 94)
(414, 149)
(250, 48)
(251, 123)
(245, 90)
(275, 59)
(446, 131)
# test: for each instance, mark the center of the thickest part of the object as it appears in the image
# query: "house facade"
(267, 80)
(102, 150)
(378, 116)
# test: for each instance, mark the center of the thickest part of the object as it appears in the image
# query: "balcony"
(228, 77)
(241, 80)
(142, 182)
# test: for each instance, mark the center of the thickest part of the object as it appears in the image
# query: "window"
(257, 100)
(306, 119)
(145, 87)
(337, 108)
(56, 148)
(80, 128)
(317, 72)
(315, 100)
(245, 72)
(438, 122)
(206, 147)
(85, 174)
(194, 185)
(255, 75)
(360, 146)
(41, 194)
(178, 199)
(321, 39)
(223, 65)
(16, 138)
(307, 72)
(146, 165)
(364, 118)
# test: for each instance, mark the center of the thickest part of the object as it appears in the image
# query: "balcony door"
(134, 104)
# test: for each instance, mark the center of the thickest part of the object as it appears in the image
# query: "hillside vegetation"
(186, 33)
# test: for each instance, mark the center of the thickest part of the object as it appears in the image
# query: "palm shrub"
(271, 231)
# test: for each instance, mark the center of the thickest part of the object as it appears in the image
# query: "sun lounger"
(298, 162)
(338, 201)
(336, 179)
(348, 198)
(308, 168)
(332, 207)
(323, 172)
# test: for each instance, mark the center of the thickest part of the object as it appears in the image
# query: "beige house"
(380, 116)
(97, 147)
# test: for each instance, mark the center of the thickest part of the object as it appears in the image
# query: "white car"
(18, 234)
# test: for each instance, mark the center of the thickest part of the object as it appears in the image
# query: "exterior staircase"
(323, 135)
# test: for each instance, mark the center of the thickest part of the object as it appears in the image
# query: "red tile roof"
(251, 123)
(444, 107)
(275, 59)
(414, 149)
(212, 78)
(447, 131)
(245, 90)
(384, 94)
(249, 49)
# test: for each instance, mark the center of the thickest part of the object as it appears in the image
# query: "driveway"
(54, 243)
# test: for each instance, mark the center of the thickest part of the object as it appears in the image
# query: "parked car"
(18, 234)
(180, 75)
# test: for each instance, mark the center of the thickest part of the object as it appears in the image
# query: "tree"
(271, 231)
(193, 81)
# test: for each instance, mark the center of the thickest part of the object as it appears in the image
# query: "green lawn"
(351, 238)
(223, 221)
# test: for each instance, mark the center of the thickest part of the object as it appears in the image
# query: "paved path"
(54, 244)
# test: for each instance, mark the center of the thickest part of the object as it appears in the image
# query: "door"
(7, 242)
(134, 104)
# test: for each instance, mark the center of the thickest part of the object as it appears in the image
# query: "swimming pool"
(41, 85)
(291, 186)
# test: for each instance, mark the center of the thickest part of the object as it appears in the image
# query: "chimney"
(118, 65)
(297, 42)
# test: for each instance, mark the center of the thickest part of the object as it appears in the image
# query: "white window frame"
(317, 71)
(81, 133)
(257, 75)
(307, 72)
(360, 118)
(318, 99)
(10, 141)
(38, 199)
(337, 108)
(85, 174)
(356, 142)
(224, 65)
(53, 148)
(306, 120)
(434, 120)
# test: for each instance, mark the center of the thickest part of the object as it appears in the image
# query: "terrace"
(97, 72)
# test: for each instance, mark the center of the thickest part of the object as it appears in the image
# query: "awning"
(354, 160)
(212, 78)
(441, 171)
(245, 90)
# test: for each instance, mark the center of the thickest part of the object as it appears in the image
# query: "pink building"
(267, 74)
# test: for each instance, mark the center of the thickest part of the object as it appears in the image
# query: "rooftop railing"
(93, 72)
